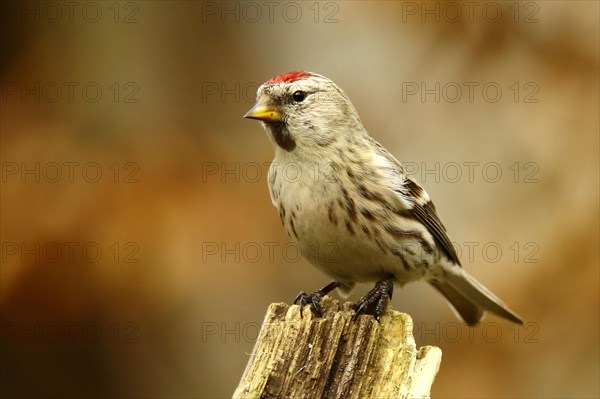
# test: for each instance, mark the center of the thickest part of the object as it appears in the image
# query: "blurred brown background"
(140, 248)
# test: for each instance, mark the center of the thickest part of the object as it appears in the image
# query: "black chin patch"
(282, 136)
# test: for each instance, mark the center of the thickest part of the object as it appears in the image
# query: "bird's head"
(304, 111)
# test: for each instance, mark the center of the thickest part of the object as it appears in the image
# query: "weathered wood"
(335, 357)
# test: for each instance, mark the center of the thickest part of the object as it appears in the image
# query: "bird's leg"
(314, 299)
(374, 301)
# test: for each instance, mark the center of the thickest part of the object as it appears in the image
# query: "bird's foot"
(314, 299)
(374, 301)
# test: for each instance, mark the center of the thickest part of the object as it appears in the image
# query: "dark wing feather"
(423, 209)
(427, 215)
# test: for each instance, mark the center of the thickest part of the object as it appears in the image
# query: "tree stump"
(336, 357)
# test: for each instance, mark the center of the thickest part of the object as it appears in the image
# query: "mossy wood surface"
(336, 357)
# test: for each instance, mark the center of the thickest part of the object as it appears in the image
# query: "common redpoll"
(349, 205)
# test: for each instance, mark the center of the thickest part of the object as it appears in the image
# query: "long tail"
(470, 299)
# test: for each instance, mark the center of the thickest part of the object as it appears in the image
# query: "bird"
(350, 206)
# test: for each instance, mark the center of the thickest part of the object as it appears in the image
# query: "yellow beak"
(265, 113)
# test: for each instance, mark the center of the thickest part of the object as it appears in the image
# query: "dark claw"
(374, 301)
(314, 299)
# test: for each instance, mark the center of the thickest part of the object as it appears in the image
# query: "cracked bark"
(335, 357)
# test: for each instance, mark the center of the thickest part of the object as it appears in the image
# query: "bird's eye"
(299, 96)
